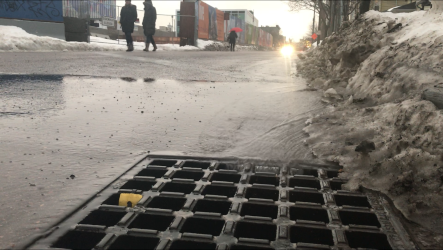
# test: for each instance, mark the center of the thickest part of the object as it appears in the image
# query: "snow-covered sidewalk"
(15, 39)
(141, 45)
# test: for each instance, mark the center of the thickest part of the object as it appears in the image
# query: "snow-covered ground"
(141, 45)
(16, 39)
(374, 71)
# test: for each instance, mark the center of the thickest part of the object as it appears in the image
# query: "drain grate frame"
(254, 209)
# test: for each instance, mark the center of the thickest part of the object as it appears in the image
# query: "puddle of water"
(128, 79)
(53, 127)
(18, 94)
(148, 79)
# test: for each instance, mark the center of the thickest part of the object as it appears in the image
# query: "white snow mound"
(209, 45)
(15, 39)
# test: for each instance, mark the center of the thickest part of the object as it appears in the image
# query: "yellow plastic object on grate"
(129, 200)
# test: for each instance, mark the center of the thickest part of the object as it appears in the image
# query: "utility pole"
(118, 32)
(313, 21)
(89, 21)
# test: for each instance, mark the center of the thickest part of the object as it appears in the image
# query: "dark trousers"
(232, 46)
(150, 39)
(128, 38)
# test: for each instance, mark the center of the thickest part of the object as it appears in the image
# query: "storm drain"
(130, 242)
(203, 203)
(152, 221)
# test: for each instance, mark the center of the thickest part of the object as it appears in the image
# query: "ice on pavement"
(381, 76)
(16, 39)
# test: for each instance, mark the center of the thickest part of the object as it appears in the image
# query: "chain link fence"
(79, 12)
(165, 22)
(85, 12)
(91, 9)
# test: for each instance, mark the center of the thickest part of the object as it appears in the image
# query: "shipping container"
(187, 22)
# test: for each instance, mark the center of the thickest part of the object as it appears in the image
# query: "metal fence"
(166, 28)
(92, 9)
(89, 10)
(165, 22)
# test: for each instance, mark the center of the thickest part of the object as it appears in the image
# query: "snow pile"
(222, 46)
(16, 39)
(201, 44)
(374, 71)
(212, 45)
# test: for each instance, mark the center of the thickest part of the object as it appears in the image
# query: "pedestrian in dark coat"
(149, 24)
(128, 15)
(231, 39)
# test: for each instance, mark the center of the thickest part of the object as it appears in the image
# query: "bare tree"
(350, 6)
(323, 5)
(315, 29)
(328, 11)
(298, 5)
(320, 7)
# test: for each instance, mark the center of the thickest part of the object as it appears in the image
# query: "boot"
(146, 47)
(155, 47)
(131, 47)
(128, 48)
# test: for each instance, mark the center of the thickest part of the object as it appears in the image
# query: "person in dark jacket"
(128, 16)
(149, 24)
(231, 39)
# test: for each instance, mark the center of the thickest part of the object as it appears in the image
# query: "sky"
(294, 24)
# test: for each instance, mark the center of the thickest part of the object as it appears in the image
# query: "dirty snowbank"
(15, 39)
(377, 70)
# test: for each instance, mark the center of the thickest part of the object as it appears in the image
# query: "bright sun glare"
(287, 50)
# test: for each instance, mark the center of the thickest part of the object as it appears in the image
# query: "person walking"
(149, 24)
(128, 15)
(231, 39)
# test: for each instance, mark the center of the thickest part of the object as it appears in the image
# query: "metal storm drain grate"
(202, 203)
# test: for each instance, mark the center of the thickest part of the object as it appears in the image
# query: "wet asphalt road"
(87, 117)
